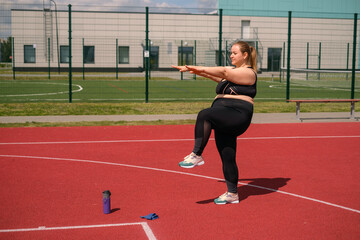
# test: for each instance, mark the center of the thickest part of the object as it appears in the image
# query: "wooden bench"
(298, 101)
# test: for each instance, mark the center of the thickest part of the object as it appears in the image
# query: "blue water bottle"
(106, 202)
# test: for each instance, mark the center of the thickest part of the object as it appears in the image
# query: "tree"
(6, 50)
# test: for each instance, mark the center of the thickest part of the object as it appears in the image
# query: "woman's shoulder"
(246, 69)
(250, 69)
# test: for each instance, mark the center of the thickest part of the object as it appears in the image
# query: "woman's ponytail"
(252, 58)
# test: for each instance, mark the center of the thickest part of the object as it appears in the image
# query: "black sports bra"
(227, 87)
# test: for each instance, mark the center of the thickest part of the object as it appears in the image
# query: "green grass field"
(33, 94)
(97, 88)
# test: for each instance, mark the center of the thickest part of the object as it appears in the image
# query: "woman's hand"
(198, 71)
(191, 69)
(180, 68)
(195, 69)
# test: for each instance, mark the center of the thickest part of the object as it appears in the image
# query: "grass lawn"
(33, 94)
(161, 87)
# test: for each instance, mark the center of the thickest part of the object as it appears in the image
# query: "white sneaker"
(191, 161)
(227, 198)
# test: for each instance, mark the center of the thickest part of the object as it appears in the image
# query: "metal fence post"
(181, 59)
(226, 52)
(117, 59)
(307, 55)
(83, 51)
(49, 57)
(347, 60)
(13, 56)
(220, 36)
(147, 57)
(319, 65)
(307, 59)
(347, 56)
(288, 59)
(354, 59)
(70, 58)
(194, 75)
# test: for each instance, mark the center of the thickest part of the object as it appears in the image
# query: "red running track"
(297, 181)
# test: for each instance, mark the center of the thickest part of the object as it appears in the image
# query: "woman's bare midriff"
(240, 97)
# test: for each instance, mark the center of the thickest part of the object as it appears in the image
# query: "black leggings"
(229, 118)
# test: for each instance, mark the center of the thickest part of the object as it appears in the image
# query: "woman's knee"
(204, 114)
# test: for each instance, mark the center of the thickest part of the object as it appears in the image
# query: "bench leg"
(352, 112)
(298, 110)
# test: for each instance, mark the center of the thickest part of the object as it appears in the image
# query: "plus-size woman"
(230, 114)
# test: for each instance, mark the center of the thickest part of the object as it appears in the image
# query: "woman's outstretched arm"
(241, 75)
(203, 74)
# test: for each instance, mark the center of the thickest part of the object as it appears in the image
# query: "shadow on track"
(255, 186)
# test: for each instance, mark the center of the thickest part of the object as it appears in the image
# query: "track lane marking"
(174, 140)
(184, 173)
(149, 233)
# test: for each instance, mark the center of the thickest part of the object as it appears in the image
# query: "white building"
(106, 41)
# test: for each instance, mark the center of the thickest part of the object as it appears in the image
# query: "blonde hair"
(251, 51)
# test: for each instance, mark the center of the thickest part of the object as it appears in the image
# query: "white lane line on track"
(174, 140)
(183, 173)
(144, 225)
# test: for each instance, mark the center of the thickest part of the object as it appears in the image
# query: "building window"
(89, 54)
(29, 54)
(64, 54)
(245, 29)
(187, 56)
(274, 59)
(123, 55)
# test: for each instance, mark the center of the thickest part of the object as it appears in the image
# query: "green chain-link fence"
(79, 53)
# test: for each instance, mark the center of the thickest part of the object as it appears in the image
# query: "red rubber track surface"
(297, 181)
